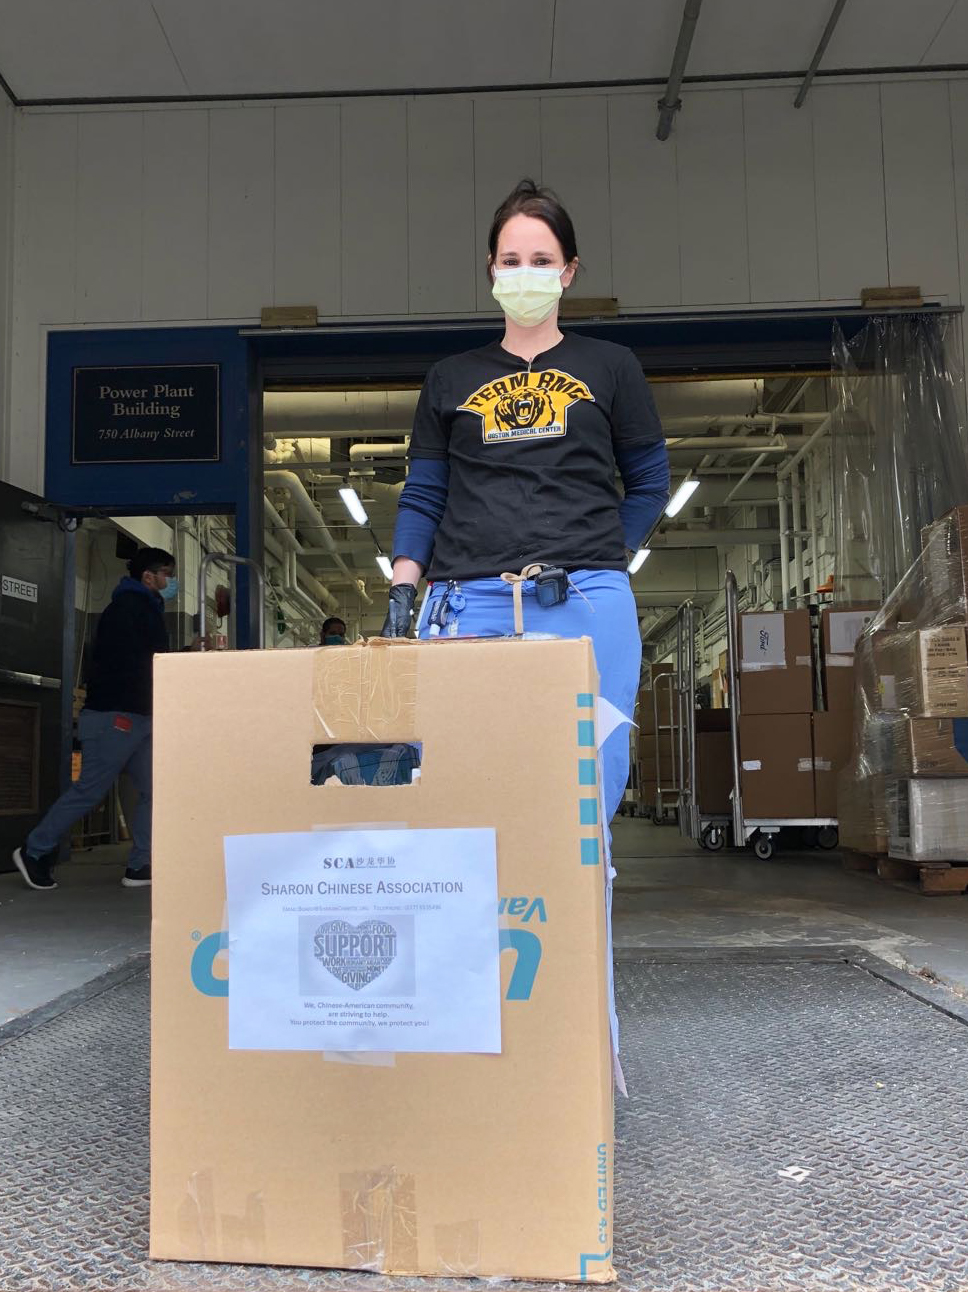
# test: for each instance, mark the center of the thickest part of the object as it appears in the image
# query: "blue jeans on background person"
(608, 617)
(111, 743)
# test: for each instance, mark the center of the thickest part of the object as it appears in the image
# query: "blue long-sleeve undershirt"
(645, 479)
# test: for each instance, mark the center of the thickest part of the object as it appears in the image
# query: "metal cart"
(707, 829)
(663, 811)
(760, 831)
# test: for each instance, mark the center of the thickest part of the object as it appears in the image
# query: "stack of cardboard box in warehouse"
(791, 748)
(905, 792)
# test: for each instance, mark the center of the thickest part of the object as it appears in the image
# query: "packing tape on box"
(359, 695)
(805, 765)
(458, 1248)
(755, 666)
(209, 1233)
(803, 661)
(379, 1220)
(752, 765)
(839, 661)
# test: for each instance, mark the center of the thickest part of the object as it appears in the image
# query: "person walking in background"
(115, 724)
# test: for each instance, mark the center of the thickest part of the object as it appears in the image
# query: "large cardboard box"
(776, 662)
(776, 757)
(928, 820)
(832, 741)
(862, 812)
(479, 1165)
(714, 772)
(931, 678)
(840, 629)
(930, 747)
(944, 569)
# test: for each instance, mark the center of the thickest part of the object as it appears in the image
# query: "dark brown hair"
(526, 198)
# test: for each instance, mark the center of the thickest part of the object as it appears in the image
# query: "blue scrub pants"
(608, 617)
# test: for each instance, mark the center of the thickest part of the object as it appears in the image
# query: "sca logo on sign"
(359, 863)
(363, 949)
(356, 955)
(526, 405)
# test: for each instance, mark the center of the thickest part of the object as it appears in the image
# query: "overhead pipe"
(714, 538)
(753, 419)
(781, 494)
(809, 441)
(810, 484)
(290, 482)
(670, 103)
(295, 548)
(819, 52)
(398, 449)
(795, 533)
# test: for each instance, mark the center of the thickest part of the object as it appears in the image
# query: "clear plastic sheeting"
(905, 791)
(900, 446)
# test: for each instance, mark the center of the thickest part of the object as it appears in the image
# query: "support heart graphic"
(356, 954)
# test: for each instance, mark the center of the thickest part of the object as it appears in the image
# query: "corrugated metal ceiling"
(120, 49)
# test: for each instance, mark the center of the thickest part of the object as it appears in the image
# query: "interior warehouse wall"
(373, 207)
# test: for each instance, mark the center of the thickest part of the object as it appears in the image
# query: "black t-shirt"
(531, 450)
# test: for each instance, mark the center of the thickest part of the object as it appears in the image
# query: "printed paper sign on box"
(364, 940)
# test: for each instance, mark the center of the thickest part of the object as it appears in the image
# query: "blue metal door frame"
(668, 346)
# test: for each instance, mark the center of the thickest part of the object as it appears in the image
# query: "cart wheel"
(828, 836)
(713, 838)
(763, 847)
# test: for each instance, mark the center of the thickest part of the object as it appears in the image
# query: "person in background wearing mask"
(333, 632)
(512, 472)
(115, 724)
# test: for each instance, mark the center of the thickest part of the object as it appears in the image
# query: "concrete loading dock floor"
(784, 1128)
(669, 894)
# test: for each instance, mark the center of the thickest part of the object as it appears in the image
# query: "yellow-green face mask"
(527, 294)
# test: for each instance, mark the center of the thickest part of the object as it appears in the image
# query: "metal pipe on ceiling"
(394, 450)
(819, 52)
(670, 103)
(810, 440)
(291, 484)
(667, 539)
(683, 422)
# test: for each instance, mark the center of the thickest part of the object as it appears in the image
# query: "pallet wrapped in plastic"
(911, 710)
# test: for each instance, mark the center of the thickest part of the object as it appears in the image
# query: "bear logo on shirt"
(526, 405)
(522, 411)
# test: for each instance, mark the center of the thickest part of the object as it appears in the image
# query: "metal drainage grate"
(792, 1125)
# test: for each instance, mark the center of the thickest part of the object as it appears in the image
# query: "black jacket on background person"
(130, 633)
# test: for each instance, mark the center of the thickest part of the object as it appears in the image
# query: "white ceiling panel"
(169, 48)
(95, 48)
(886, 33)
(251, 47)
(756, 36)
(614, 40)
(951, 43)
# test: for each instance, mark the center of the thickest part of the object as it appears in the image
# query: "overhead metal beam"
(828, 31)
(670, 103)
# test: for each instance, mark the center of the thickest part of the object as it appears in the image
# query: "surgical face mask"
(526, 294)
(334, 639)
(170, 591)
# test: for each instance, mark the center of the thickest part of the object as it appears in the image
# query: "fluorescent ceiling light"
(384, 563)
(639, 559)
(681, 497)
(353, 505)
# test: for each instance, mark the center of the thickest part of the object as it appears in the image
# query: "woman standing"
(512, 469)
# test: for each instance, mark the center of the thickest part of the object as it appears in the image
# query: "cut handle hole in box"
(373, 764)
